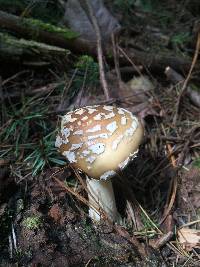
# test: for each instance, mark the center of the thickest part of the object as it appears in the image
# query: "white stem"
(101, 194)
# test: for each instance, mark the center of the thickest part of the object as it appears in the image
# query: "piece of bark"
(28, 52)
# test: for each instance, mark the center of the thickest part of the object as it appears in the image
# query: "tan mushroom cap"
(99, 140)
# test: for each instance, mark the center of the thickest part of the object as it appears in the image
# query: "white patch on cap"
(73, 119)
(107, 174)
(65, 141)
(134, 154)
(97, 117)
(121, 111)
(111, 127)
(85, 152)
(124, 163)
(80, 111)
(65, 132)
(59, 141)
(110, 115)
(116, 142)
(132, 129)
(94, 129)
(102, 135)
(70, 156)
(89, 143)
(84, 118)
(134, 124)
(68, 118)
(79, 132)
(76, 146)
(91, 110)
(109, 108)
(97, 148)
(91, 159)
(123, 120)
(129, 132)
(130, 113)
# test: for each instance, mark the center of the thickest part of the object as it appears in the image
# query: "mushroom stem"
(101, 193)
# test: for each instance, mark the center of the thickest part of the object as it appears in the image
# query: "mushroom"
(100, 140)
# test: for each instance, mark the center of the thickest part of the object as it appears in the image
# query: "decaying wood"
(45, 33)
(65, 38)
(29, 52)
(156, 61)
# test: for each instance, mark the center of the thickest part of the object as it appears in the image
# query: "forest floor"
(41, 222)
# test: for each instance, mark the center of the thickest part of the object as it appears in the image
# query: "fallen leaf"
(189, 238)
(78, 19)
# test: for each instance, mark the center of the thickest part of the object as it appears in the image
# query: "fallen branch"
(29, 52)
(45, 33)
(65, 38)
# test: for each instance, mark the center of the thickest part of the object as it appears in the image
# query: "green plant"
(180, 38)
(87, 65)
(44, 153)
(28, 136)
(86, 75)
(19, 120)
(196, 163)
(32, 222)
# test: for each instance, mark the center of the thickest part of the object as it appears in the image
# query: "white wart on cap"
(99, 140)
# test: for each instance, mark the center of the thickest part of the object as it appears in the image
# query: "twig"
(99, 50)
(14, 76)
(80, 94)
(130, 60)
(65, 91)
(116, 61)
(160, 242)
(187, 79)
(133, 240)
(173, 185)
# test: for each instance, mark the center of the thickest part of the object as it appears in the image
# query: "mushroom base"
(101, 194)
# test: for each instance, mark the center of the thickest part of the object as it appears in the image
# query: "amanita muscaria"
(100, 140)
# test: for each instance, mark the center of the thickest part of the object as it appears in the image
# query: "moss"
(39, 25)
(32, 222)
(196, 163)
(11, 41)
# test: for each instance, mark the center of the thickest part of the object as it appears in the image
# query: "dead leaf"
(189, 238)
(77, 18)
(141, 86)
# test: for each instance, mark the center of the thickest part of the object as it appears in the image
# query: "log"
(65, 38)
(28, 52)
(44, 32)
